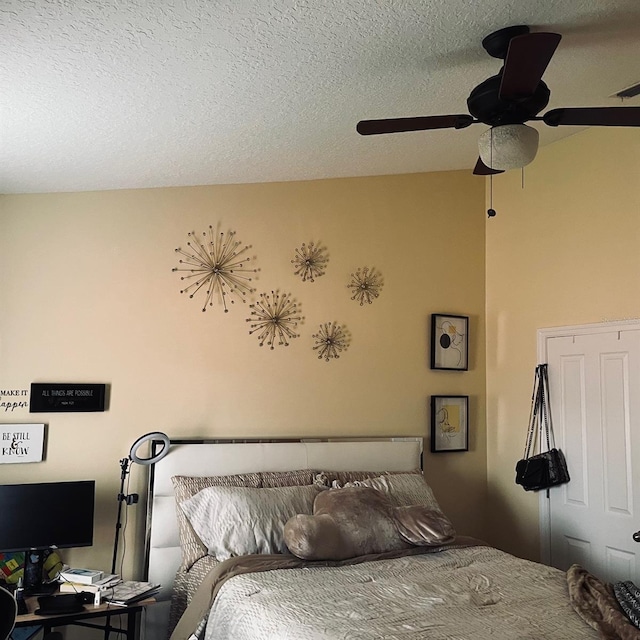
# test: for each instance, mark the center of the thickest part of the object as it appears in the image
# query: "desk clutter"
(71, 582)
(83, 576)
(48, 612)
(129, 591)
(12, 566)
(96, 586)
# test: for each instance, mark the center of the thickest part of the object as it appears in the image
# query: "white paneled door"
(594, 391)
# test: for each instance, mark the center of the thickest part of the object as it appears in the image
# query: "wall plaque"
(21, 442)
(48, 397)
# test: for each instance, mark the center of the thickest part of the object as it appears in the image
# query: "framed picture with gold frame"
(449, 342)
(449, 423)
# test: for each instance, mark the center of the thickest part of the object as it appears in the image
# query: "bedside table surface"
(103, 610)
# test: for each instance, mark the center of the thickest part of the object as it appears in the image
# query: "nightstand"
(84, 618)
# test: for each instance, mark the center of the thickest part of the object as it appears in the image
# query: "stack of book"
(87, 580)
(130, 591)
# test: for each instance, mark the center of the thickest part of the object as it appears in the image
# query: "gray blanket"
(191, 623)
(459, 593)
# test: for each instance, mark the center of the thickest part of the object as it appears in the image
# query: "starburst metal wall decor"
(310, 261)
(275, 318)
(366, 285)
(216, 262)
(331, 340)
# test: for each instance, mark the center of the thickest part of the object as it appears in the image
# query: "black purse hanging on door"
(547, 468)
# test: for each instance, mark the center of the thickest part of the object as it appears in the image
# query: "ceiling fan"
(507, 100)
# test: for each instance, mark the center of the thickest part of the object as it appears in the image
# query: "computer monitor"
(40, 516)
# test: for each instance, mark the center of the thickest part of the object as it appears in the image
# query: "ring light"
(155, 435)
(124, 471)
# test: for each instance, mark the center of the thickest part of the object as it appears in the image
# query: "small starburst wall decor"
(331, 340)
(216, 262)
(365, 285)
(310, 261)
(274, 318)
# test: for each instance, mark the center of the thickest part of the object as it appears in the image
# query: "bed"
(242, 582)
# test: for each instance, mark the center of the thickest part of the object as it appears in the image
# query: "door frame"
(544, 335)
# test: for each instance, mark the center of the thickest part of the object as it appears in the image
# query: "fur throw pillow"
(357, 521)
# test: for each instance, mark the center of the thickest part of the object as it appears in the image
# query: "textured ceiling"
(111, 94)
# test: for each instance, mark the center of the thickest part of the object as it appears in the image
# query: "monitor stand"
(33, 571)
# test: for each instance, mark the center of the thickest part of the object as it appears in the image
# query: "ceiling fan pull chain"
(491, 191)
(491, 212)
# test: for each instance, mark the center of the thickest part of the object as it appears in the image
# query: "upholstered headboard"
(227, 457)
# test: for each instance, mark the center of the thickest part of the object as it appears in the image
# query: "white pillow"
(236, 521)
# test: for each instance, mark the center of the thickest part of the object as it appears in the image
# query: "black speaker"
(33, 569)
(61, 604)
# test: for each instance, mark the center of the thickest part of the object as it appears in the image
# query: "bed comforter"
(457, 593)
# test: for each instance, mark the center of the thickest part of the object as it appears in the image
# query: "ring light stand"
(124, 471)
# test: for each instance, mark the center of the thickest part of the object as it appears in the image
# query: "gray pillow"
(236, 521)
(403, 489)
(340, 478)
(299, 477)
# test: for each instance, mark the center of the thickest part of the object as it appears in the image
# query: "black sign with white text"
(56, 397)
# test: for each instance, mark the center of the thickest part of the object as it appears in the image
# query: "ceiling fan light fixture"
(508, 146)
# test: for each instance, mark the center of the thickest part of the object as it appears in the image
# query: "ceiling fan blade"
(398, 125)
(594, 116)
(481, 169)
(527, 59)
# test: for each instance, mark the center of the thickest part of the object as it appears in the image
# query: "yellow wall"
(87, 295)
(564, 250)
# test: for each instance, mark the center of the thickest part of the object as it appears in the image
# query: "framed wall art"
(21, 443)
(50, 397)
(449, 342)
(449, 423)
